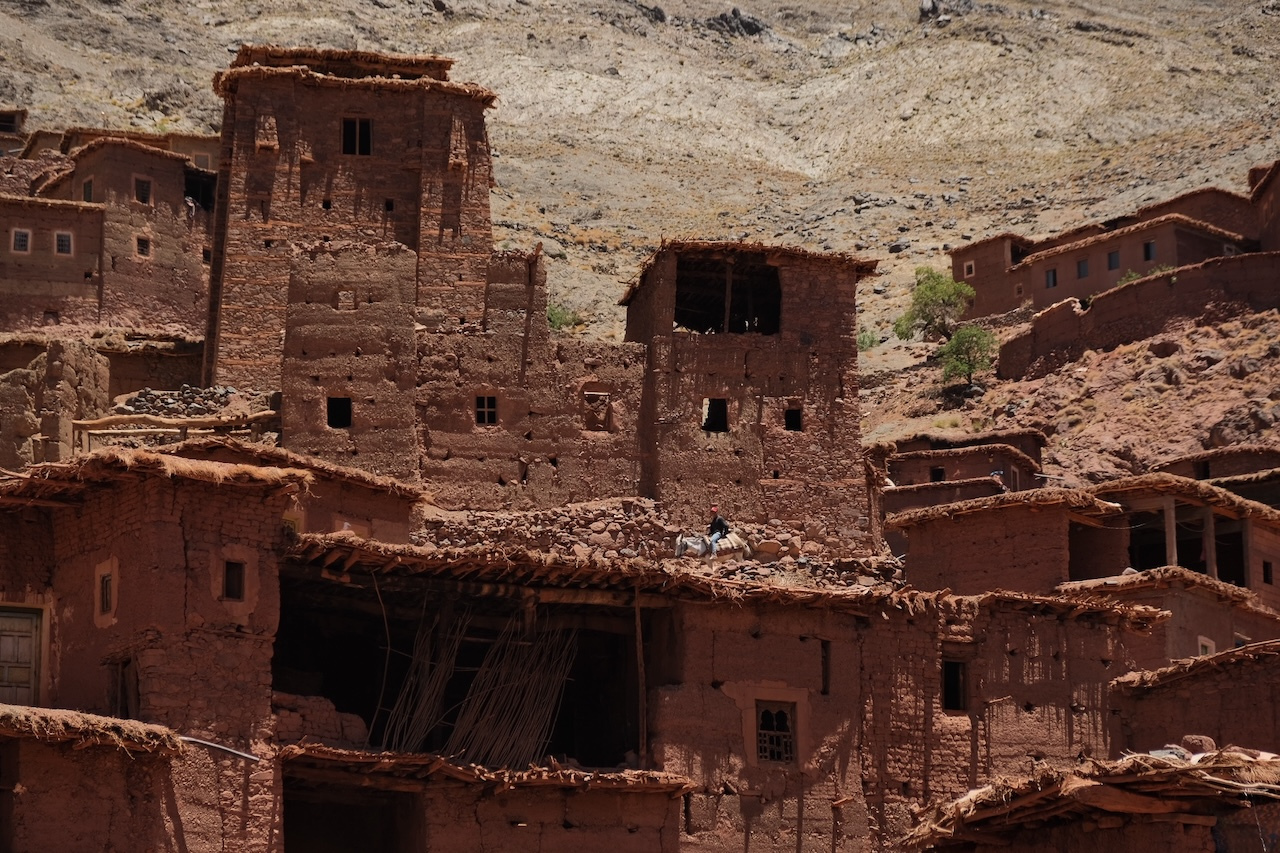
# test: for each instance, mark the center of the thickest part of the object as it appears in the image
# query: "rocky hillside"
(858, 126)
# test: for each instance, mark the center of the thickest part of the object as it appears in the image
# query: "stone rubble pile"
(186, 402)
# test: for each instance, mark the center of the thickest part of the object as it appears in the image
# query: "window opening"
(122, 691)
(1113, 260)
(144, 247)
(389, 205)
(51, 318)
(969, 269)
(741, 294)
(1082, 268)
(1149, 250)
(8, 123)
(826, 667)
(597, 410)
(1266, 572)
(486, 410)
(955, 695)
(793, 420)
(1050, 278)
(106, 593)
(233, 581)
(327, 204)
(21, 240)
(357, 136)
(1205, 646)
(62, 243)
(1017, 289)
(86, 191)
(715, 414)
(142, 190)
(937, 475)
(338, 412)
(198, 190)
(775, 731)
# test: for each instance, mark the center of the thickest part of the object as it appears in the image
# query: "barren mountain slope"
(837, 125)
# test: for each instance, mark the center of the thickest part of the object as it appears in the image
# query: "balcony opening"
(741, 294)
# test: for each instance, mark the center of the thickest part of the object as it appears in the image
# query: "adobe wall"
(1267, 203)
(1263, 545)
(1240, 460)
(1028, 441)
(878, 740)
(1081, 836)
(1235, 703)
(153, 367)
(903, 498)
(38, 402)
(1014, 547)
(1225, 210)
(20, 176)
(65, 798)
(758, 469)
(284, 180)
(464, 818)
(203, 665)
(26, 562)
(1195, 613)
(567, 410)
(349, 335)
(978, 462)
(1098, 552)
(994, 291)
(42, 286)
(1140, 309)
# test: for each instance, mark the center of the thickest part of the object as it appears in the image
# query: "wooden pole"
(643, 690)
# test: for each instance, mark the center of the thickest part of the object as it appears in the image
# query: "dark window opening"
(1266, 572)
(937, 475)
(22, 241)
(233, 581)
(144, 247)
(597, 411)
(486, 410)
(1113, 260)
(389, 205)
(825, 646)
(1050, 278)
(338, 412)
(1082, 268)
(969, 269)
(86, 191)
(1229, 550)
(106, 593)
(62, 243)
(334, 818)
(741, 295)
(1201, 469)
(142, 190)
(715, 414)
(8, 122)
(955, 693)
(198, 189)
(1146, 541)
(1149, 250)
(51, 318)
(206, 256)
(793, 420)
(122, 689)
(775, 731)
(357, 136)
(327, 204)
(1018, 253)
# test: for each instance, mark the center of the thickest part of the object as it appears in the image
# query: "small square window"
(486, 410)
(326, 204)
(1017, 289)
(62, 243)
(86, 190)
(357, 136)
(1149, 250)
(776, 731)
(51, 318)
(338, 412)
(793, 420)
(1050, 278)
(969, 269)
(1267, 576)
(233, 581)
(206, 256)
(1206, 646)
(1113, 260)
(938, 475)
(715, 414)
(144, 247)
(142, 190)
(201, 161)
(955, 689)
(1082, 268)
(21, 240)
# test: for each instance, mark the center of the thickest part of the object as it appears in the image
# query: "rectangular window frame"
(1113, 260)
(144, 190)
(1051, 278)
(357, 136)
(1149, 250)
(486, 410)
(61, 238)
(86, 189)
(774, 745)
(1082, 268)
(970, 268)
(233, 580)
(20, 241)
(954, 685)
(143, 247)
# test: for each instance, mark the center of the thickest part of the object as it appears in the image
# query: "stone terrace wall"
(1061, 334)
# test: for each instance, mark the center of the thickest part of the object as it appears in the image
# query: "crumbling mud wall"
(752, 404)
(315, 150)
(38, 403)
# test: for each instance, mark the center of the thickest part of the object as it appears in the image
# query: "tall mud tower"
(324, 149)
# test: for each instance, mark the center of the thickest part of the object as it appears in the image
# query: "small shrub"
(560, 317)
(867, 339)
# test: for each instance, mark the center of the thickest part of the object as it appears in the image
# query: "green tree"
(937, 301)
(970, 350)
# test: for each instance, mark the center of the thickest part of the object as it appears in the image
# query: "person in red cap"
(717, 529)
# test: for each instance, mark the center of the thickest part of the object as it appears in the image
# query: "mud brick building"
(330, 146)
